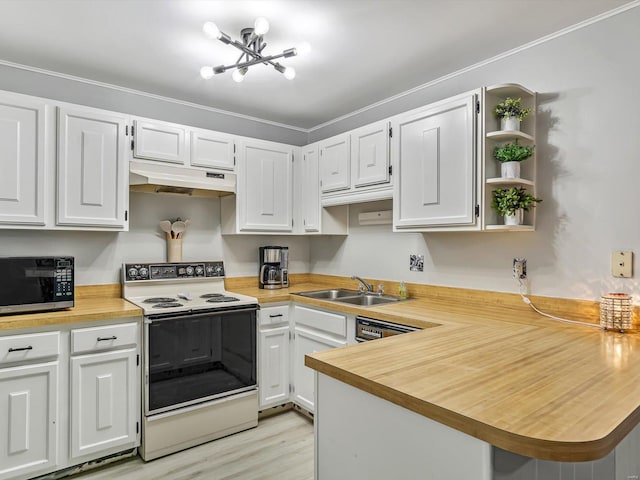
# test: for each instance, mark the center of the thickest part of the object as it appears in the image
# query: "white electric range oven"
(199, 342)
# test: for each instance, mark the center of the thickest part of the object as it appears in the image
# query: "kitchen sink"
(332, 294)
(368, 300)
(352, 297)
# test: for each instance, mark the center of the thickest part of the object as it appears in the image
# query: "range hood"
(151, 178)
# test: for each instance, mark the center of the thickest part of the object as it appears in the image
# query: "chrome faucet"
(364, 286)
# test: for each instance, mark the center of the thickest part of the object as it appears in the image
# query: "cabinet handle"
(276, 315)
(104, 339)
(20, 349)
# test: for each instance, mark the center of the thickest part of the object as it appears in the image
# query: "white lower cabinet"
(274, 361)
(315, 330)
(104, 403)
(28, 420)
(68, 396)
(273, 375)
(307, 342)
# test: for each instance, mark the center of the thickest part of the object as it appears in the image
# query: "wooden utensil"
(165, 225)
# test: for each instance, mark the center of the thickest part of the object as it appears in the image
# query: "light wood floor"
(281, 448)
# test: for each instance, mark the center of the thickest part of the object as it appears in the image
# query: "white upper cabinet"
(370, 154)
(335, 164)
(355, 166)
(160, 141)
(264, 189)
(212, 150)
(311, 189)
(92, 168)
(22, 159)
(435, 151)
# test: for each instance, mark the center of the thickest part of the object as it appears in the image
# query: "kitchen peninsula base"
(362, 436)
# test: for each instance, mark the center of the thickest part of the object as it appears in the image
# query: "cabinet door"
(212, 150)
(305, 343)
(93, 172)
(274, 366)
(104, 402)
(435, 151)
(164, 142)
(265, 186)
(335, 155)
(311, 189)
(22, 160)
(370, 154)
(28, 420)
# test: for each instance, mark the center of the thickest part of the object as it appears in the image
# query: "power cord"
(560, 319)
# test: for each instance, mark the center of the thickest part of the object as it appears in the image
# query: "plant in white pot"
(512, 203)
(511, 113)
(510, 155)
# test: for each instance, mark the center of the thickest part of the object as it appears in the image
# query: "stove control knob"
(218, 270)
(133, 272)
(144, 272)
(190, 271)
(199, 270)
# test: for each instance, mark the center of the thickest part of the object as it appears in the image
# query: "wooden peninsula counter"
(451, 402)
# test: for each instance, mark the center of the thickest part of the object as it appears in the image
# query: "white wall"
(588, 175)
(99, 255)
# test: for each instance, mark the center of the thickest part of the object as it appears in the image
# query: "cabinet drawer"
(103, 338)
(274, 315)
(23, 348)
(324, 321)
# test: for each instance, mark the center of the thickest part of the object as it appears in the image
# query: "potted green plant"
(510, 155)
(511, 203)
(511, 113)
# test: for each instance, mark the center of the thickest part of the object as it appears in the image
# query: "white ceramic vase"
(510, 169)
(515, 219)
(174, 250)
(510, 123)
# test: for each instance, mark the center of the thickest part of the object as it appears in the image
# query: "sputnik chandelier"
(251, 46)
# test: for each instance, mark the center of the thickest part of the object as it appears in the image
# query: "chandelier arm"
(261, 59)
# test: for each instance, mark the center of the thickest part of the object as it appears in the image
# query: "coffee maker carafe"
(274, 271)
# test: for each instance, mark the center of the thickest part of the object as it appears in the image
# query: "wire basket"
(616, 311)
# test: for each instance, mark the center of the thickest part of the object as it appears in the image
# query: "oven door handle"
(197, 314)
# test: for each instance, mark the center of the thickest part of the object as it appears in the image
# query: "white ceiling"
(362, 51)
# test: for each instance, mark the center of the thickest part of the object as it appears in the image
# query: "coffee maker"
(274, 267)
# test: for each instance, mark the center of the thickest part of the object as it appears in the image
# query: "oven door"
(192, 358)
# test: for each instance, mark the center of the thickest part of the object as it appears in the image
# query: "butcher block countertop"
(496, 371)
(92, 303)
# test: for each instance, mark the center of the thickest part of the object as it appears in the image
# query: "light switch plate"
(622, 264)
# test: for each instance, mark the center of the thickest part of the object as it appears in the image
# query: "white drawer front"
(23, 348)
(324, 321)
(103, 338)
(274, 315)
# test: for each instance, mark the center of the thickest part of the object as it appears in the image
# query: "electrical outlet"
(520, 268)
(622, 264)
(416, 263)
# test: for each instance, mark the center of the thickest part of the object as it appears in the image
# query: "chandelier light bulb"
(238, 75)
(206, 72)
(261, 26)
(303, 48)
(289, 73)
(211, 30)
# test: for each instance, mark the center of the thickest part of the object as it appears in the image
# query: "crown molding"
(508, 53)
(141, 93)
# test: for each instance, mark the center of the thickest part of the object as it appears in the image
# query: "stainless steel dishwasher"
(371, 329)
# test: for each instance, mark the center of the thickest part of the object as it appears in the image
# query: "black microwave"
(33, 284)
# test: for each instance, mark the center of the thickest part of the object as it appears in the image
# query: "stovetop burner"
(212, 295)
(167, 305)
(160, 300)
(222, 298)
